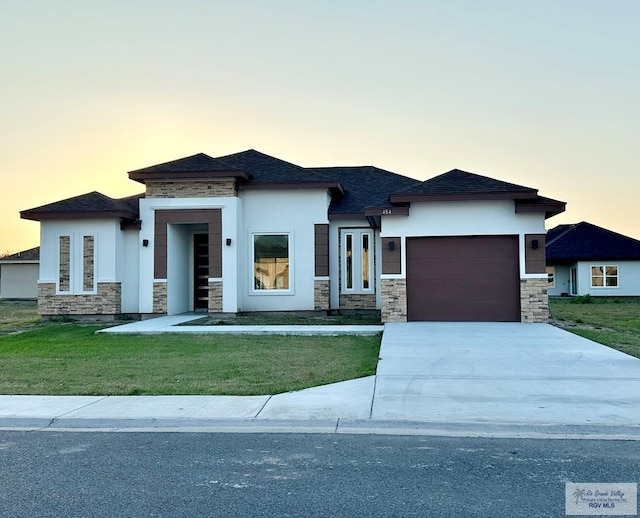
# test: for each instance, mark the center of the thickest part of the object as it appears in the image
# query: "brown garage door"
(470, 278)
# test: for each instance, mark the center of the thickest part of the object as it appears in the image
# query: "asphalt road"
(49, 474)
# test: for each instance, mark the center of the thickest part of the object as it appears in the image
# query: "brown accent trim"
(188, 175)
(391, 259)
(35, 215)
(212, 217)
(535, 260)
(550, 209)
(130, 225)
(408, 198)
(335, 187)
(349, 215)
(387, 211)
(321, 247)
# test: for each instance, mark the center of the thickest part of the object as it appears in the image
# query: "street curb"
(328, 426)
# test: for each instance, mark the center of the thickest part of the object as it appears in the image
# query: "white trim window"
(357, 261)
(271, 261)
(551, 276)
(604, 276)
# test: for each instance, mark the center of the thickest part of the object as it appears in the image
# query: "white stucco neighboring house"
(19, 275)
(249, 232)
(585, 259)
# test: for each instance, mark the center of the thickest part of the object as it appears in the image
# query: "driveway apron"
(503, 373)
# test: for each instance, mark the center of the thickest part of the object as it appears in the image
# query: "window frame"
(275, 291)
(604, 276)
(357, 260)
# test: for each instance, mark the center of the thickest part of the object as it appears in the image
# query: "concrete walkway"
(459, 379)
(175, 324)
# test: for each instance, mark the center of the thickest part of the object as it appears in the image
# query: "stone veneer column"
(215, 297)
(534, 300)
(160, 297)
(321, 295)
(64, 274)
(87, 262)
(394, 300)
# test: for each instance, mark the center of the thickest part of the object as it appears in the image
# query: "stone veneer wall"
(394, 300)
(160, 297)
(321, 295)
(107, 301)
(215, 297)
(192, 189)
(534, 301)
(357, 301)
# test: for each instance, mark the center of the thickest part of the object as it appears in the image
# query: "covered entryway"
(463, 278)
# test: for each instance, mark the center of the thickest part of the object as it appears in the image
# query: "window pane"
(612, 281)
(612, 270)
(597, 281)
(365, 261)
(597, 270)
(271, 262)
(349, 260)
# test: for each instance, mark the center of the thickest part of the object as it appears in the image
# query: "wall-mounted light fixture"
(228, 241)
(391, 245)
(145, 242)
(534, 244)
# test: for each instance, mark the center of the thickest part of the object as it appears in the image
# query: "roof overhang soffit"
(173, 176)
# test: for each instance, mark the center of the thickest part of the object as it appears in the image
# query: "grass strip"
(70, 359)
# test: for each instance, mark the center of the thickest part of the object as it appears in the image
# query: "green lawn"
(611, 321)
(66, 359)
(17, 315)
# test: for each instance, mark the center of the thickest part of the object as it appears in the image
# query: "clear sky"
(542, 93)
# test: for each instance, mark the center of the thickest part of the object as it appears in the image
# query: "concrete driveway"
(503, 373)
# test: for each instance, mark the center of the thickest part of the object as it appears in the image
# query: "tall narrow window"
(64, 273)
(271, 262)
(365, 261)
(357, 261)
(349, 260)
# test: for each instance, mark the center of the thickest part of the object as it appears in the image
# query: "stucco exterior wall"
(178, 287)
(292, 212)
(19, 281)
(464, 219)
(628, 279)
(562, 281)
(105, 232)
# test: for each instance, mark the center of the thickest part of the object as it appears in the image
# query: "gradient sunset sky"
(539, 93)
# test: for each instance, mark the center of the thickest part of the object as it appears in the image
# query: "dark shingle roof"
(587, 242)
(364, 186)
(199, 162)
(462, 182)
(33, 254)
(267, 169)
(90, 205)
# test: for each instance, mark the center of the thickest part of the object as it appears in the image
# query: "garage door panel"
(463, 278)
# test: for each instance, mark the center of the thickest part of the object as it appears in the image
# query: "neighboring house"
(249, 232)
(19, 275)
(586, 259)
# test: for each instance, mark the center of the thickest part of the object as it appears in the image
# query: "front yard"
(612, 321)
(70, 359)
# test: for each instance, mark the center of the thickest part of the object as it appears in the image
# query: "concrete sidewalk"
(457, 379)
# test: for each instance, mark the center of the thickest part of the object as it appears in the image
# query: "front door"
(200, 271)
